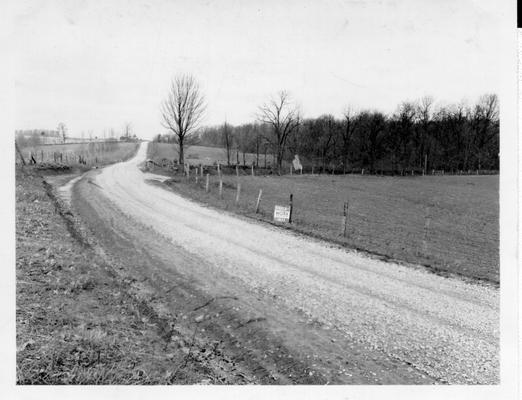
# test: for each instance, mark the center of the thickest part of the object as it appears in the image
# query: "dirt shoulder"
(78, 321)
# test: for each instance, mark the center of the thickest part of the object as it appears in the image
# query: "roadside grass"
(77, 321)
(94, 153)
(448, 223)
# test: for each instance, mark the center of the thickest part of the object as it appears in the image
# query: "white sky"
(95, 65)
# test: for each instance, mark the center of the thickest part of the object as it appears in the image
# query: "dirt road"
(285, 308)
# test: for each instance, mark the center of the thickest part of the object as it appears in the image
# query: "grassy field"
(201, 155)
(449, 223)
(95, 153)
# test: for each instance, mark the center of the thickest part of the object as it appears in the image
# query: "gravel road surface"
(396, 323)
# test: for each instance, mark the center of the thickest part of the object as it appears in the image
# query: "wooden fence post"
(345, 217)
(207, 183)
(258, 200)
(238, 191)
(290, 169)
(220, 188)
(237, 171)
(253, 169)
(427, 220)
(291, 207)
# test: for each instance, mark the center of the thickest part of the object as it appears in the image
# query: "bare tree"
(424, 114)
(227, 140)
(484, 117)
(62, 131)
(349, 124)
(183, 110)
(283, 116)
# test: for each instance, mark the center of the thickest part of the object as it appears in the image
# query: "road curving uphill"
(339, 316)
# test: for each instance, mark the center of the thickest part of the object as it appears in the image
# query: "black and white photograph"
(251, 199)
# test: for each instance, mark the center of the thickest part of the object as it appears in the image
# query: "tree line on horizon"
(417, 136)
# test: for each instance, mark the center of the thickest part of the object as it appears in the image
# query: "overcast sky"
(95, 65)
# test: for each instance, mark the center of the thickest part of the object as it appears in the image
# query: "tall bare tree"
(283, 116)
(183, 110)
(349, 124)
(484, 117)
(424, 114)
(227, 140)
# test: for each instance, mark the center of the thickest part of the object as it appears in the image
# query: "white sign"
(297, 164)
(282, 214)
